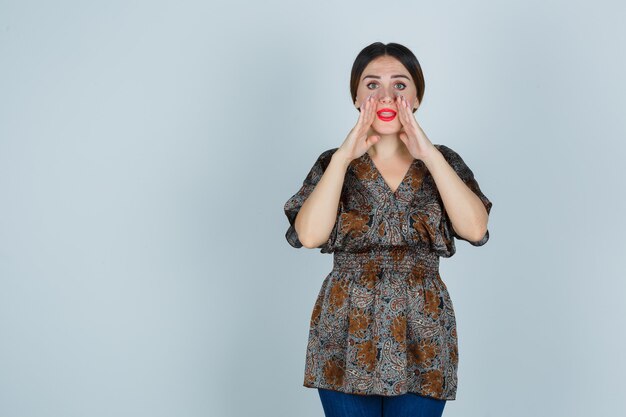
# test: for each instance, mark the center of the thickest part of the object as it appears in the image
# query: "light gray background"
(147, 149)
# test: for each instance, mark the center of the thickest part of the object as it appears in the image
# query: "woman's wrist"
(341, 158)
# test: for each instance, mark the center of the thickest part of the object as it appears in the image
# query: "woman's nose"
(386, 94)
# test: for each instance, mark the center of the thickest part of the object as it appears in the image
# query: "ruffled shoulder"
(295, 202)
(437, 224)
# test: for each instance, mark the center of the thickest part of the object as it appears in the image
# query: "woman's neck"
(388, 146)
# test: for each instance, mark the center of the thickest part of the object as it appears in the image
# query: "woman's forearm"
(465, 209)
(318, 214)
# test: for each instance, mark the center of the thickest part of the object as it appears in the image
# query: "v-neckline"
(382, 179)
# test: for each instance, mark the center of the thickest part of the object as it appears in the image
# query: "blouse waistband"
(388, 258)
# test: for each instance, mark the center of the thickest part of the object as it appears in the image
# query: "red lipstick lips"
(388, 115)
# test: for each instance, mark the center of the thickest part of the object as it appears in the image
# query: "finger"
(400, 107)
(373, 108)
(362, 114)
(367, 112)
(365, 106)
(405, 111)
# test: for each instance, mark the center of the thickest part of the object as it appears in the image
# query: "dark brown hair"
(378, 49)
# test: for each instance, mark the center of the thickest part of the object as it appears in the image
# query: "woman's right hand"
(358, 142)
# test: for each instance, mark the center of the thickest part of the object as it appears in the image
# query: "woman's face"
(386, 78)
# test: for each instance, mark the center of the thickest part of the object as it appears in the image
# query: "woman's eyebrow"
(378, 77)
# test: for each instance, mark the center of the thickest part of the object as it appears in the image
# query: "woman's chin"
(386, 128)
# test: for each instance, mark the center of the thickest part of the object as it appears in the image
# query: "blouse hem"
(342, 389)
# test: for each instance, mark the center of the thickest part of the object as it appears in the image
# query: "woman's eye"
(375, 84)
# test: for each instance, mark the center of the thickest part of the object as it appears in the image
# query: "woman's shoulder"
(324, 157)
(450, 155)
(328, 153)
(444, 149)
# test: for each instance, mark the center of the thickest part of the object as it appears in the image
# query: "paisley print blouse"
(383, 321)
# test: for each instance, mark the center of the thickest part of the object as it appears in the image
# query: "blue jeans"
(340, 404)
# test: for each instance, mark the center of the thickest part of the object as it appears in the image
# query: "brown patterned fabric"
(383, 322)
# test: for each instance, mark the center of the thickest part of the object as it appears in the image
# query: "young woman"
(388, 204)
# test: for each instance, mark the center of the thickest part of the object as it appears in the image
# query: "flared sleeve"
(447, 247)
(295, 202)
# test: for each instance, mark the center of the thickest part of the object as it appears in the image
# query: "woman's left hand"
(411, 133)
